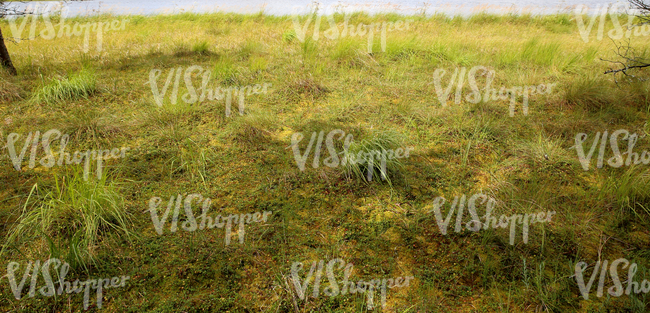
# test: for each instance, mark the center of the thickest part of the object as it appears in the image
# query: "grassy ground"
(244, 164)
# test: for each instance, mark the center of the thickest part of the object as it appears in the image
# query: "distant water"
(287, 7)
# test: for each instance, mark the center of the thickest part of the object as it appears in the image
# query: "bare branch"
(630, 60)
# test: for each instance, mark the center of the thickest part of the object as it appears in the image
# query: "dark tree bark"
(5, 60)
(5, 10)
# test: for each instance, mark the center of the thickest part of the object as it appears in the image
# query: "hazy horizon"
(287, 7)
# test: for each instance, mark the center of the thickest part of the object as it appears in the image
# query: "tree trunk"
(5, 60)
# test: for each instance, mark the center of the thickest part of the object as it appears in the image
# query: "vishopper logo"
(617, 160)
(475, 223)
(64, 286)
(344, 157)
(64, 28)
(615, 11)
(206, 221)
(346, 286)
(345, 29)
(207, 93)
(458, 80)
(615, 291)
(49, 160)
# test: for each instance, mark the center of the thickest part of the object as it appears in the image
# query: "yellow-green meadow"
(275, 80)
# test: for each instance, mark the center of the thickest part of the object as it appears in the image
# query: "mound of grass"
(258, 64)
(182, 50)
(76, 86)
(251, 129)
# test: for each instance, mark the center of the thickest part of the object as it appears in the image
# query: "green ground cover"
(244, 164)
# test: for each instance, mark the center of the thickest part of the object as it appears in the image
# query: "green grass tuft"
(289, 36)
(76, 86)
(590, 93)
(225, 71)
(371, 167)
(80, 211)
(201, 48)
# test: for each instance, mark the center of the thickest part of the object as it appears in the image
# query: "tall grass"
(371, 167)
(590, 93)
(201, 48)
(75, 86)
(629, 192)
(225, 71)
(193, 160)
(540, 53)
(81, 212)
(324, 84)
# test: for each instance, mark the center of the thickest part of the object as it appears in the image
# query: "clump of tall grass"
(485, 18)
(201, 48)
(78, 211)
(402, 49)
(219, 30)
(173, 115)
(289, 36)
(182, 50)
(443, 51)
(309, 48)
(579, 60)
(628, 192)
(590, 93)
(258, 64)
(541, 54)
(225, 71)
(75, 86)
(193, 160)
(380, 142)
(347, 52)
(557, 23)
